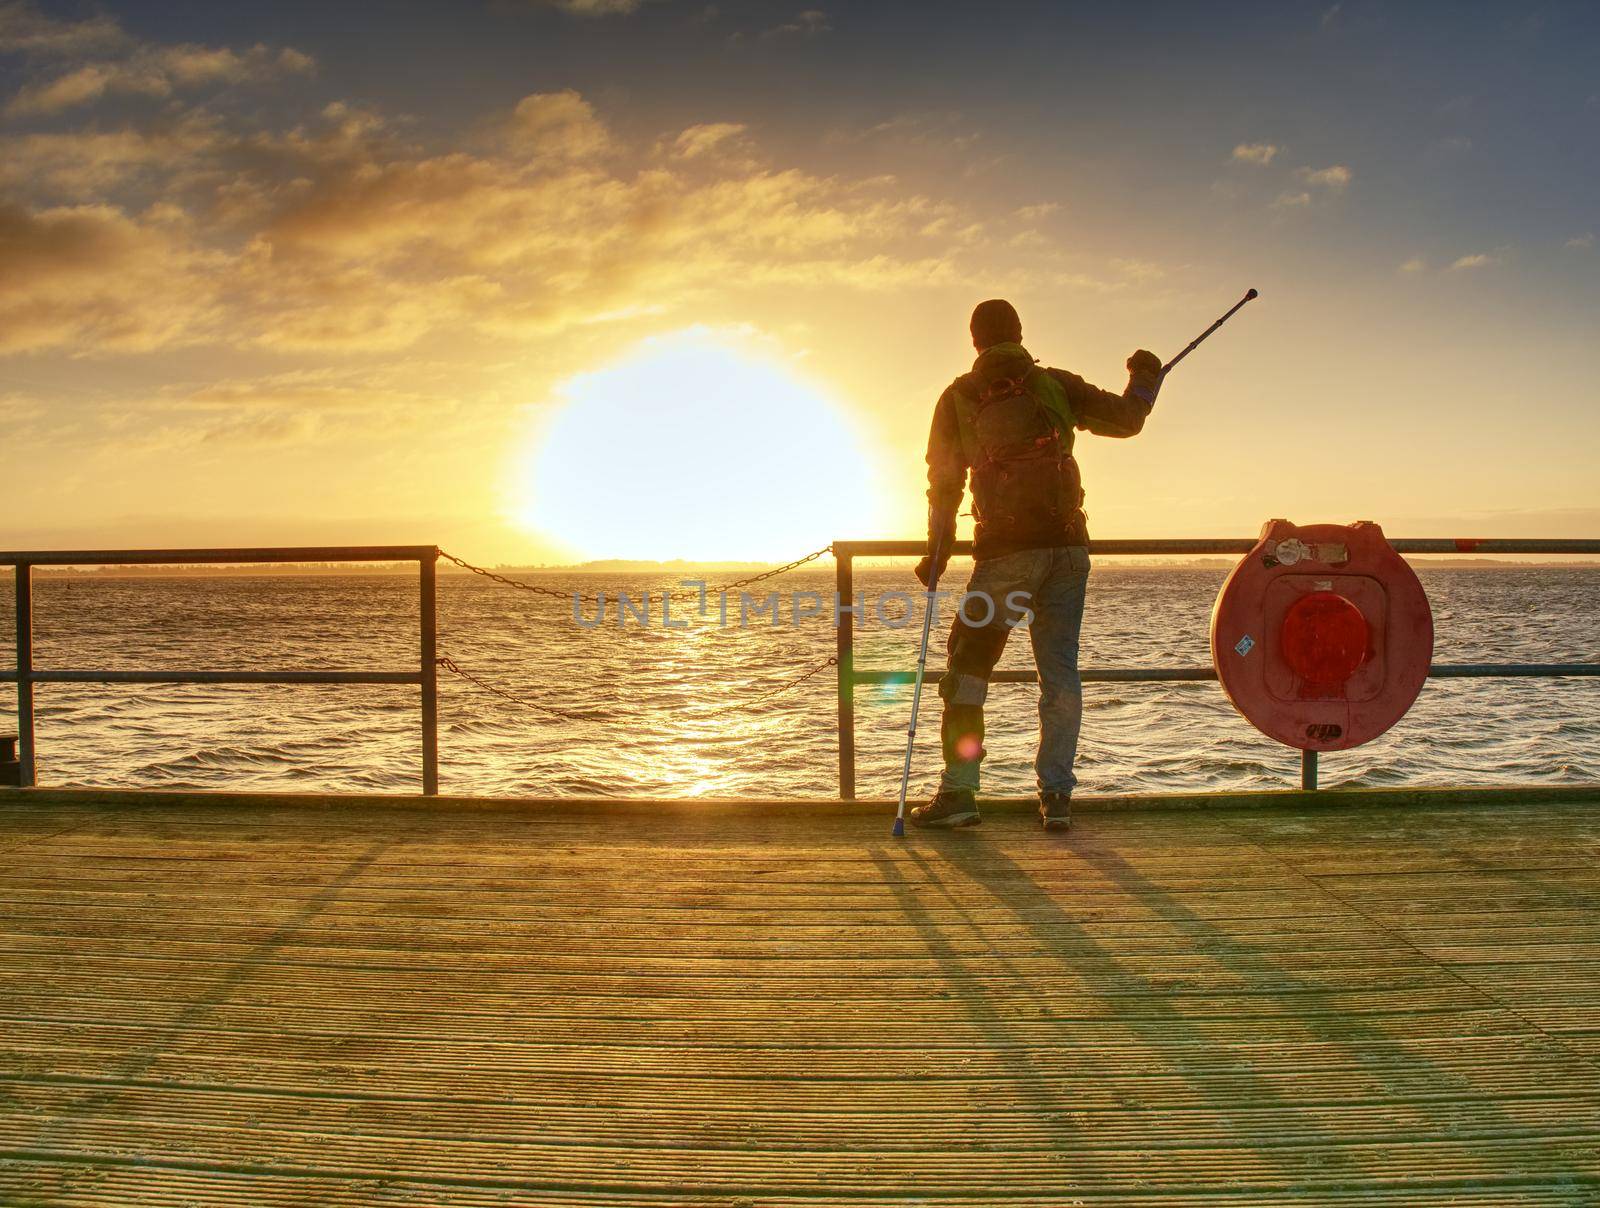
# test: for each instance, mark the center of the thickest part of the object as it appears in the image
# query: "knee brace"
(958, 689)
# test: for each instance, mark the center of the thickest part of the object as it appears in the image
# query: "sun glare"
(696, 445)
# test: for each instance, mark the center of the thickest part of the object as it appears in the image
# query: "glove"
(1143, 362)
(1144, 375)
(927, 573)
(941, 538)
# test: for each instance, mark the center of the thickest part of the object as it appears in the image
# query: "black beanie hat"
(995, 322)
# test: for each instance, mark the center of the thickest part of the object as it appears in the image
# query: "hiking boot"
(1055, 811)
(949, 807)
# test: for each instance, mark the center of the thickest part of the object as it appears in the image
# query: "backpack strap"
(967, 391)
(1008, 387)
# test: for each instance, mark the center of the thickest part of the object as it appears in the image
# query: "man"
(1011, 424)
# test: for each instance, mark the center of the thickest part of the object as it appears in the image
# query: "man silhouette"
(1010, 423)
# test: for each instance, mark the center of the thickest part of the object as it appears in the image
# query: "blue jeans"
(1055, 581)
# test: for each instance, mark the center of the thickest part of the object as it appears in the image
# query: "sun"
(699, 445)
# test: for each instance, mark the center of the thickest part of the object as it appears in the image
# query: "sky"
(590, 278)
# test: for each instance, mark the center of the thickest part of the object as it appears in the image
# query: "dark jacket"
(1071, 404)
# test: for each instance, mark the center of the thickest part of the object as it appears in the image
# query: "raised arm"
(1106, 414)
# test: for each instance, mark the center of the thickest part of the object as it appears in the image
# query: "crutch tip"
(899, 828)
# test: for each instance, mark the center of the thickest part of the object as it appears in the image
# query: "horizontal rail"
(217, 677)
(26, 676)
(200, 557)
(1510, 670)
(1152, 675)
(1243, 545)
(849, 678)
(1090, 675)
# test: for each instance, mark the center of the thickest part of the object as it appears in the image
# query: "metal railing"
(26, 675)
(845, 553)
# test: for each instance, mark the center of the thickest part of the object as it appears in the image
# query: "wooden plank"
(251, 1002)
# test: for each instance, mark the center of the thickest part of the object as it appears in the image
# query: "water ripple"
(654, 702)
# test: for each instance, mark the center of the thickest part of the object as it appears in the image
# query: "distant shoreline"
(391, 570)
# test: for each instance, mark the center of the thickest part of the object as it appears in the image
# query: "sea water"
(684, 711)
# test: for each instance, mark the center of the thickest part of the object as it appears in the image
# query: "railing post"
(1308, 771)
(844, 651)
(430, 677)
(25, 754)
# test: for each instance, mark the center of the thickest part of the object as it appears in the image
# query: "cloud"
(591, 8)
(1475, 260)
(1580, 243)
(155, 71)
(1255, 153)
(92, 276)
(942, 132)
(1326, 180)
(324, 403)
(338, 233)
(1138, 270)
(25, 30)
(76, 164)
(1035, 213)
(1414, 265)
(556, 125)
(1336, 177)
(810, 23)
(699, 141)
(339, 236)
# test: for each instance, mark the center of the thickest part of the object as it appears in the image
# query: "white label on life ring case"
(1244, 645)
(1290, 551)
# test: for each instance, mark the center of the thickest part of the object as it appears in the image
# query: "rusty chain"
(766, 574)
(450, 665)
(774, 691)
(509, 582)
(455, 668)
(537, 589)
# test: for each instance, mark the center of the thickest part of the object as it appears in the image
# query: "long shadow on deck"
(1389, 1060)
(1038, 1089)
(139, 1062)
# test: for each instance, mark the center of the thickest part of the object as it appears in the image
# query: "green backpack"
(1024, 478)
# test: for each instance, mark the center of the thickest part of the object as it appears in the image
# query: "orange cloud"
(1335, 177)
(559, 125)
(1255, 153)
(155, 72)
(92, 277)
(25, 30)
(337, 235)
(82, 164)
(699, 141)
(340, 233)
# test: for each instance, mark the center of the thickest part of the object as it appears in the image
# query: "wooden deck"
(227, 1003)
